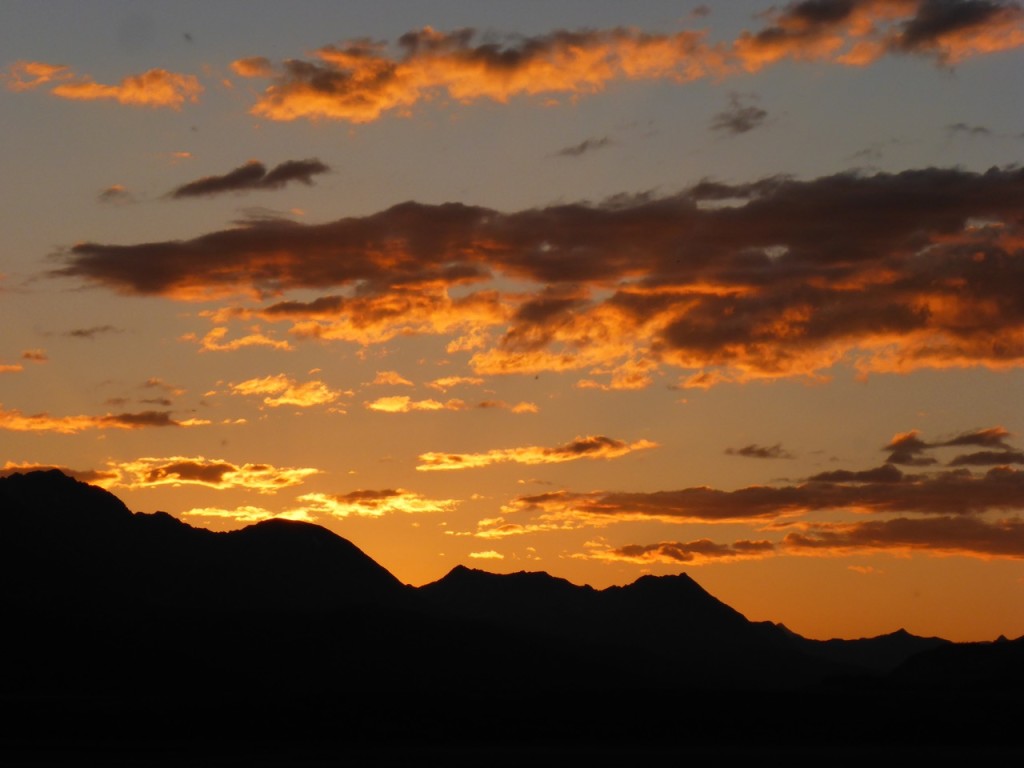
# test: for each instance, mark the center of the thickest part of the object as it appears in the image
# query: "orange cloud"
(27, 75)
(698, 552)
(375, 503)
(790, 280)
(281, 390)
(11, 367)
(589, 447)
(155, 88)
(489, 554)
(15, 421)
(360, 81)
(392, 378)
(245, 514)
(405, 404)
(211, 473)
(448, 382)
(858, 32)
(213, 341)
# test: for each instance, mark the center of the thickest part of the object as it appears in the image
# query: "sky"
(732, 289)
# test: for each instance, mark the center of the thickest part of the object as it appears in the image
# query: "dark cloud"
(690, 551)
(191, 471)
(738, 117)
(889, 272)
(587, 145)
(957, 492)
(368, 496)
(944, 535)
(939, 19)
(754, 451)
(252, 176)
(988, 459)
(141, 419)
(907, 448)
(886, 473)
(93, 332)
(856, 32)
(971, 130)
(116, 194)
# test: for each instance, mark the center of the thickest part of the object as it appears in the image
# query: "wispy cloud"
(589, 447)
(754, 451)
(15, 421)
(739, 117)
(585, 146)
(211, 473)
(253, 175)
(280, 390)
(154, 88)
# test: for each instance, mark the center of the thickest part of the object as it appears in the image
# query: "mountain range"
(131, 628)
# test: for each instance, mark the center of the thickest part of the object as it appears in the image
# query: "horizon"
(723, 289)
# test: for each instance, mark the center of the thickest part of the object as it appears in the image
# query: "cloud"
(375, 503)
(92, 332)
(117, 194)
(946, 535)
(213, 341)
(245, 515)
(970, 130)
(28, 75)
(754, 451)
(392, 378)
(280, 390)
(360, 80)
(697, 552)
(154, 88)
(858, 32)
(253, 175)
(15, 421)
(881, 491)
(448, 382)
(906, 448)
(11, 367)
(738, 118)
(211, 473)
(885, 272)
(589, 447)
(587, 145)
(489, 554)
(405, 404)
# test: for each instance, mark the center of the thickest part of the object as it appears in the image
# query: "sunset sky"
(600, 289)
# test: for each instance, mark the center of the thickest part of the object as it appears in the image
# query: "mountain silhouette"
(124, 622)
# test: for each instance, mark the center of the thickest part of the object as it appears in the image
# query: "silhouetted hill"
(127, 626)
(64, 543)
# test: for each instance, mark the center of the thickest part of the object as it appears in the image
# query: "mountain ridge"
(133, 625)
